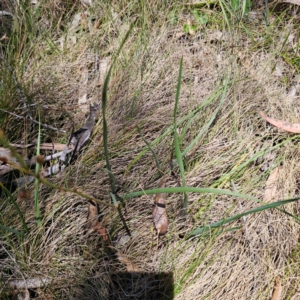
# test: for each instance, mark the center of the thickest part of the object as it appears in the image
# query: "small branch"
(43, 146)
(56, 187)
(34, 121)
(31, 283)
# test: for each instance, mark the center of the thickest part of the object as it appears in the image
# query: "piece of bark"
(31, 283)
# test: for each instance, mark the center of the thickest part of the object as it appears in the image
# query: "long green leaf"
(205, 128)
(222, 4)
(16, 207)
(104, 102)
(12, 230)
(176, 138)
(152, 150)
(171, 128)
(189, 189)
(236, 217)
(212, 97)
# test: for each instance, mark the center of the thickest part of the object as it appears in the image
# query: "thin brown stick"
(80, 193)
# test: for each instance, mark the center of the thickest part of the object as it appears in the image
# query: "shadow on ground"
(138, 285)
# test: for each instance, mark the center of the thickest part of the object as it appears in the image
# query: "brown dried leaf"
(159, 214)
(271, 185)
(92, 215)
(101, 230)
(295, 128)
(277, 289)
(130, 267)
(93, 223)
(24, 194)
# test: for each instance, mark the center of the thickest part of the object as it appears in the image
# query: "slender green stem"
(104, 102)
(236, 217)
(176, 139)
(205, 128)
(16, 207)
(187, 189)
(152, 150)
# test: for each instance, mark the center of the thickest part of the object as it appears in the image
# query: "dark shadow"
(129, 286)
(141, 286)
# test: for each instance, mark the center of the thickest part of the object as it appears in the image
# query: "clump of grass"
(216, 129)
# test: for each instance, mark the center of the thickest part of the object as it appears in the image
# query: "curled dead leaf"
(295, 128)
(93, 223)
(276, 295)
(159, 214)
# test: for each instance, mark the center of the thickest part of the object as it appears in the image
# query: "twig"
(43, 146)
(26, 170)
(31, 283)
(34, 121)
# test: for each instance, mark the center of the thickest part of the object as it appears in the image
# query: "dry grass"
(60, 70)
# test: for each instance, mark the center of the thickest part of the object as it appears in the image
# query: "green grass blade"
(104, 102)
(176, 138)
(225, 15)
(198, 137)
(170, 129)
(178, 90)
(236, 217)
(188, 189)
(212, 97)
(152, 150)
(12, 230)
(114, 199)
(16, 207)
(229, 175)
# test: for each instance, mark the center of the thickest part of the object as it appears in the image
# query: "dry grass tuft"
(239, 150)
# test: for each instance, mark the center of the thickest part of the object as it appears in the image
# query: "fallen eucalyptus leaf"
(295, 128)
